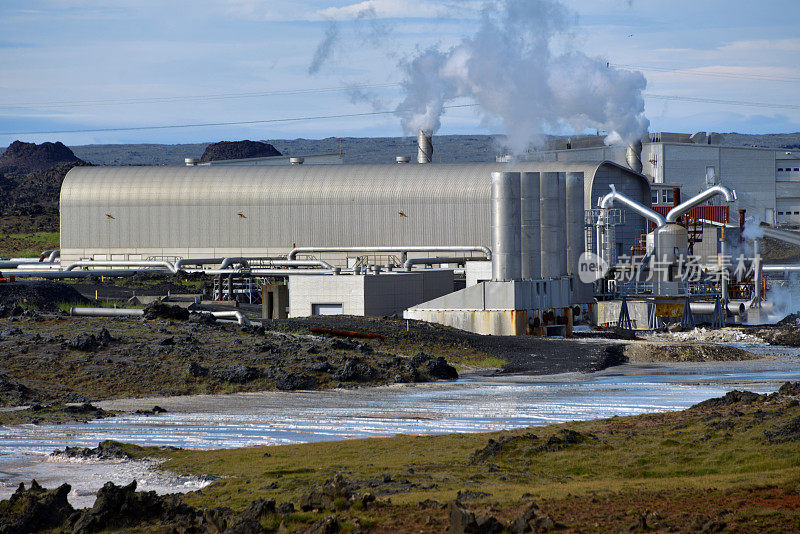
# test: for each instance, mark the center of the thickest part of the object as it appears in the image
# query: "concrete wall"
(369, 295)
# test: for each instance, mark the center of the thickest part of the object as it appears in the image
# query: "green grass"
(28, 245)
(626, 453)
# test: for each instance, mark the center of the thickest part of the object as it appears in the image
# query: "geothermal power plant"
(504, 248)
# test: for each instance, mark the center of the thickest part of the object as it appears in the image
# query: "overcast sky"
(92, 64)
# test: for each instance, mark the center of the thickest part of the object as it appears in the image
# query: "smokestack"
(424, 147)
(506, 227)
(634, 156)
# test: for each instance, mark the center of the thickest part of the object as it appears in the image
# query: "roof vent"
(402, 159)
(190, 162)
(296, 161)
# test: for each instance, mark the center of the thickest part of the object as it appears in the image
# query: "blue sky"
(91, 64)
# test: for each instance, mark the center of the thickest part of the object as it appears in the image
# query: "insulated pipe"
(613, 197)
(408, 264)
(404, 249)
(531, 244)
(106, 312)
(123, 263)
(54, 274)
(552, 224)
(227, 262)
(506, 226)
(270, 272)
(237, 315)
(50, 256)
(576, 239)
(424, 147)
(723, 269)
(707, 308)
(197, 261)
(780, 268)
(683, 207)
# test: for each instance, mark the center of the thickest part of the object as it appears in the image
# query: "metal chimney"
(634, 156)
(424, 147)
(506, 226)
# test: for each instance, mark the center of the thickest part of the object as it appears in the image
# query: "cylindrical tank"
(531, 237)
(553, 220)
(506, 226)
(672, 243)
(576, 240)
(424, 147)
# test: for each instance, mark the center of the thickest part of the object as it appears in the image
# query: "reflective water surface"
(468, 405)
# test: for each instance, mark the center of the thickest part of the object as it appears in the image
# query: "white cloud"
(763, 45)
(318, 10)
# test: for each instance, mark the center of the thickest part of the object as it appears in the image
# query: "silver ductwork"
(618, 198)
(400, 248)
(683, 207)
(634, 156)
(424, 147)
(531, 237)
(506, 226)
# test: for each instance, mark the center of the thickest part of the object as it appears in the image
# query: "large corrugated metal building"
(133, 213)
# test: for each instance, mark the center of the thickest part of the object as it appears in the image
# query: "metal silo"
(551, 224)
(576, 241)
(506, 226)
(561, 246)
(531, 236)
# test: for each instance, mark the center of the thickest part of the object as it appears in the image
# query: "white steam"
(509, 68)
(783, 298)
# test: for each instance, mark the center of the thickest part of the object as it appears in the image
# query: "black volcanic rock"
(23, 158)
(238, 150)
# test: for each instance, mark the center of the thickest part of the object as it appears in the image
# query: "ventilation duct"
(634, 156)
(424, 147)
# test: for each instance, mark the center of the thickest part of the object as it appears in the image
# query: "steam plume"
(509, 68)
(325, 48)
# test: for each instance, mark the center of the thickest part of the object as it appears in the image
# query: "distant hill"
(23, 158)
(238, 150)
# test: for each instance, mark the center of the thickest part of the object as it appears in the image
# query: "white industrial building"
(767, 181)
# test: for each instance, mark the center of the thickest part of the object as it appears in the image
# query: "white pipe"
(757, 273)
(781, 235)
(270, 272)
(430, 261)
(197, 261)
(780, 268)
(457, 248)
(239, 316)
(683, 207)
(614, 197)
(123, 263)
(51, 256)
(707, 308)
(227, 262)
(106, 312)
(55, 274)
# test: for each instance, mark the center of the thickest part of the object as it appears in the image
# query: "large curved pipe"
(614, 197)
(457, 248)
(49, 256)
(683, 207)
(707, 308)
(430, 261)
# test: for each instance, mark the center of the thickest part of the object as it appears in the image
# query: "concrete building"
(167, 213)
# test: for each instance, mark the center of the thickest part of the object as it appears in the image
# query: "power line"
(218, 96)
(717, 74)
(236, 123)
(724, 102)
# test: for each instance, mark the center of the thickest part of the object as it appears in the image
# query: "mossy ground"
(671, 469)
(27, 245)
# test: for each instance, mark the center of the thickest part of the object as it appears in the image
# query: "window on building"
(654, 196)
(796, 169)
(780, 170)
(669, 195)
(780, 213)
(663, 196)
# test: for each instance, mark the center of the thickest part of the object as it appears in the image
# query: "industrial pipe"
(270, 272)
(430, 261)
(683, 207)
(707, 308)
(239, 316)
(227, 262)
(457, 248)
(780, 268)
(106, 312)
(51, 256)
(613, 197)
(56, 274)
(123, 263)
(792, 238)
(758, 273)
